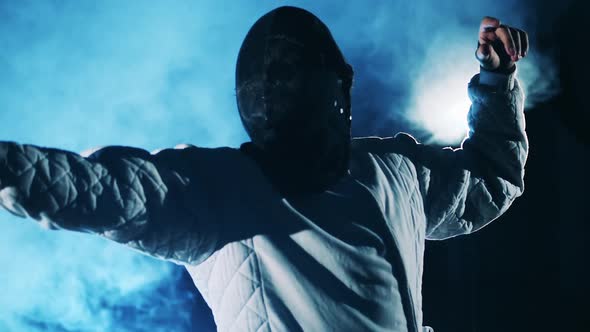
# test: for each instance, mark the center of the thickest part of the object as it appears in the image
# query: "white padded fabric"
(348, 259)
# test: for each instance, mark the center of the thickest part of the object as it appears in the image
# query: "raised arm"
(465, 189)
(151, 202)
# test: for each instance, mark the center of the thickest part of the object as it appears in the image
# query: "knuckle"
(489, 21)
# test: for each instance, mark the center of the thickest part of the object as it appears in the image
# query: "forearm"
(497, 145)
(65, 190)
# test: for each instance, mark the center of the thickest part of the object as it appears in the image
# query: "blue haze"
(80, 74)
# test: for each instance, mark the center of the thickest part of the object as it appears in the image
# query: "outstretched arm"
(151, 202)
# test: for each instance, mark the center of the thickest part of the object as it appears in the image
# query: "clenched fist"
(500, 46)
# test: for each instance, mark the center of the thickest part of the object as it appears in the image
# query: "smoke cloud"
(75, 75)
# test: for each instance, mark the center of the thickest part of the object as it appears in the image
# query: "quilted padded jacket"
(348, 259)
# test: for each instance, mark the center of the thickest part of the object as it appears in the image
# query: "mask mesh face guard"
(270, 82)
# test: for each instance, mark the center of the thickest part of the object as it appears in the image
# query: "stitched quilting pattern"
(230, 282)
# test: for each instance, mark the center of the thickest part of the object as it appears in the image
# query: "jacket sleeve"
(465, 189)
(150, 202)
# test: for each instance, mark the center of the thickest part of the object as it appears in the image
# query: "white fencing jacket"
(348, 259)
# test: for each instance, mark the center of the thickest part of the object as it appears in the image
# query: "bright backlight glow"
(440, 102)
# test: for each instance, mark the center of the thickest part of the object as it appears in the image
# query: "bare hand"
(500, 46)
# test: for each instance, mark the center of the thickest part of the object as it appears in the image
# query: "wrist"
(500, 78)
(507, 70)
